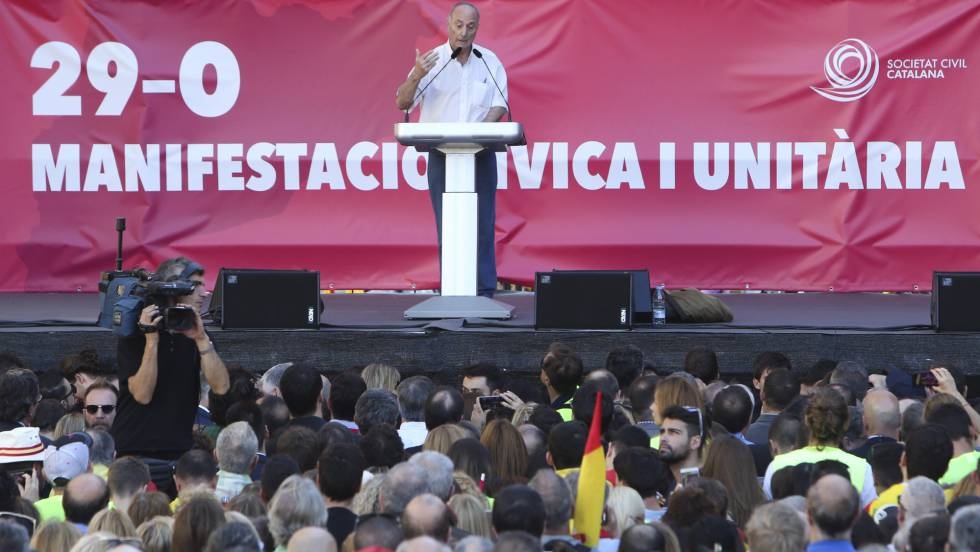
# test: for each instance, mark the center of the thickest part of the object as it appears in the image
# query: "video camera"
(126, 294)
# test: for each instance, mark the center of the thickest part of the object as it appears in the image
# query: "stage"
(878, 330)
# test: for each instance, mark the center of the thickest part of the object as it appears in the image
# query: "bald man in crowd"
(881, 418)
(832, 508)
(312, 539)
(426, 515)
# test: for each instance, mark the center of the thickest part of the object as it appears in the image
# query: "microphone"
(454, 55)
(479, 55)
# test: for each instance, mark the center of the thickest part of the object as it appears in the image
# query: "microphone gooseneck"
(479, 56)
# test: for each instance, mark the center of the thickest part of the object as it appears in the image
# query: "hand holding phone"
(488, 402)
(925, 379)
(689, 475)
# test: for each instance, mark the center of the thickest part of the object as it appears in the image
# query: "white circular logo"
(846, 87)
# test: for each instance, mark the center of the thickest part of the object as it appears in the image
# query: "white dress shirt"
(462, 93)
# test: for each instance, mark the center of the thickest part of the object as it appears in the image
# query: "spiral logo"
(846, 87)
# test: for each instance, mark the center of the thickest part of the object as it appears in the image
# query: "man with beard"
(681, 437)
(100, 404)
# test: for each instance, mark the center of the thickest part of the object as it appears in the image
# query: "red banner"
(759, 145)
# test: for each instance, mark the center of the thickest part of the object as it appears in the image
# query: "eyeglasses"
(693, 409)
(106, 408)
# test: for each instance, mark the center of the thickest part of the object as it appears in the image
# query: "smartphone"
(689, 475)
(180, 318)
(488, 402)
(924, 379)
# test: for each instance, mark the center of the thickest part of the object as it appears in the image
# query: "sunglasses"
(693, 409)
(106, 408)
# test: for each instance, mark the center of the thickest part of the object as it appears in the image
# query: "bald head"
(832, 506)
(312, 539)
(422, 544)
(882, 415)
(464, 9)
(85, 495)
(426, 515)
(557, 499)
(462, 24)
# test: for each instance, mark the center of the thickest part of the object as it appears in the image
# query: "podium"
(460, 142)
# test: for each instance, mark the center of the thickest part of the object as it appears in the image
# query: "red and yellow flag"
(591, 496)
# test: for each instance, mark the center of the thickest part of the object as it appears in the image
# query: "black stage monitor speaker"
(268, 299)
(642, 303)
(956, 301)
(584, 299)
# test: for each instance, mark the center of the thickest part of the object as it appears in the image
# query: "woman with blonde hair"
(157, 534)
(73, 422)
(625, 508)
(367, 500)
(508, 455)
(381, 376)
(55, 536)
(112, 521)
(441, 439)
(471, 514)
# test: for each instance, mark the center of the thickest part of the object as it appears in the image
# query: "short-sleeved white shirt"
(462, 93)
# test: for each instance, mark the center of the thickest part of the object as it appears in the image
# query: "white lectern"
(460, 142)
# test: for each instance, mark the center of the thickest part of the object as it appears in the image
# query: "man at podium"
(466, 88)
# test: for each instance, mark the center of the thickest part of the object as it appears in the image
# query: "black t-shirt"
(340, 523)
(163, 428)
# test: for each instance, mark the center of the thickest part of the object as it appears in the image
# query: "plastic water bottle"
(659, 307)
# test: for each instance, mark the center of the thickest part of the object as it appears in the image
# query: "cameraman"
(159, 377)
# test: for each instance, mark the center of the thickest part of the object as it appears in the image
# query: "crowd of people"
(828, 457)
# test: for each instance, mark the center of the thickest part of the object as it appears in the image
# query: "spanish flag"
(591, 496)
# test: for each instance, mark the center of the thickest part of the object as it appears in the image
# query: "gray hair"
(474, 543)
(438, 470)
(237, 446)
(557, 498)
(778, 526)
(375, 407)
(922, 497)
(964, 533)
(402, 483)
(412, 394)
(239, 535)
(270, 379)
(296, 504)
(103, 449)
